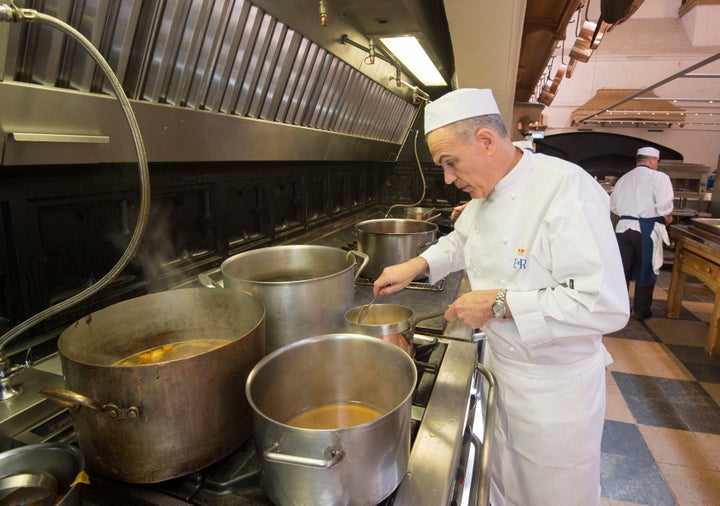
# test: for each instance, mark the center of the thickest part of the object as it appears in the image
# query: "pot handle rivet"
(74, 400)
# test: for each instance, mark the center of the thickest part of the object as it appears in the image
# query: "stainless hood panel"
(170, 133)
(198, 73)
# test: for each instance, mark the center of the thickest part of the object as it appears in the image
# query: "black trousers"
(630, 244)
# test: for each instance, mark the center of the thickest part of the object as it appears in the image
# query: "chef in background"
(538, 247)
(643, 199)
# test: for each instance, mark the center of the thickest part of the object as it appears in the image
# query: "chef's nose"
(449, 174)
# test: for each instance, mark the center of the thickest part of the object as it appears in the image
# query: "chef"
(538, 247)
(643, 199)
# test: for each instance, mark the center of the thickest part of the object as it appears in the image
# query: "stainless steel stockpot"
(355, 465)
(391, 241)
(306, 289)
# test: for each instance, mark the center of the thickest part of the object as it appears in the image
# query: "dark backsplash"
(63, 227)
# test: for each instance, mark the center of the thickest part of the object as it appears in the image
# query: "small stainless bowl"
(37, 487)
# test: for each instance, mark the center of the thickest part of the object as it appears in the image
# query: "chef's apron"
(644, 273)
(548, 432)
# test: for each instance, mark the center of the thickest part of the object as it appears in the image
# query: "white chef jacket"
(642, 193)
(544, 234)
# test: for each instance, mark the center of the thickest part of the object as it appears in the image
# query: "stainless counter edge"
(432, 471)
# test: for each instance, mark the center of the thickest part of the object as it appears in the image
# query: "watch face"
(498, 309)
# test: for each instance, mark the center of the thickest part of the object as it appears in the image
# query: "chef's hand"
(396, 277)
(457, 211)
(474, 308)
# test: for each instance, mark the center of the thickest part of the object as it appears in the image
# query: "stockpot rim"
(390, 348)
(429, 226)
(224, 266)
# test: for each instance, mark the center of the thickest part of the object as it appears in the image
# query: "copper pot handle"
(426, 317)
(74, 400)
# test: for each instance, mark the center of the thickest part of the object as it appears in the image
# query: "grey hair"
(465, 129)
(639, 159)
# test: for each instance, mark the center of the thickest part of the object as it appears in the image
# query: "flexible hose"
(422, 178)
(13, 14)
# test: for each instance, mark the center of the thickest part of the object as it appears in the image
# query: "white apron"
(564, 403)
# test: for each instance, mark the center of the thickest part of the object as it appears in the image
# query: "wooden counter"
(697, 253)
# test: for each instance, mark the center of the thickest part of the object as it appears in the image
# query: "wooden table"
(697, 253)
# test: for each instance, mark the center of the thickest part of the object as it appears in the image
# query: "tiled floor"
(661, 441)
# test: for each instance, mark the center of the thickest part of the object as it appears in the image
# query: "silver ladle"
(364, 310)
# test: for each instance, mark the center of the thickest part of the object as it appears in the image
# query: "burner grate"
(414, 285)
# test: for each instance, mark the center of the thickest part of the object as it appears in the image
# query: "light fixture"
(407, 49)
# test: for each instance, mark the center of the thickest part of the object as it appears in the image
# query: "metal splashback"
(210, 81)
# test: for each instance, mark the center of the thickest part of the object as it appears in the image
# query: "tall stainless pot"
(149, 423)
(356, 465)
(306, 289)
(391, 241)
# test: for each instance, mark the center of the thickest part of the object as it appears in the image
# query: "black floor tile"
(669, 403)
(658, 309)
(701, 365)
(627, 469)
(620, 438)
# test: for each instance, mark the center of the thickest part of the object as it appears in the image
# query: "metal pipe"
(10, 13)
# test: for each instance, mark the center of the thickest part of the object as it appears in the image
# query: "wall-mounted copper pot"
(558, 77)
(598, 34)
(546, 97)
(581, 50)
(570, 67)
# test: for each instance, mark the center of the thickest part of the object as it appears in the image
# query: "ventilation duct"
(209, 80)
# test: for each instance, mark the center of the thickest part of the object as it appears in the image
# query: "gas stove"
(443, 413)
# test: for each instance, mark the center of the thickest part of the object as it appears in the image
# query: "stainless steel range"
(443, 414)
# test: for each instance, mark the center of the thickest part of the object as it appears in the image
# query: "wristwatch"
(498, 307)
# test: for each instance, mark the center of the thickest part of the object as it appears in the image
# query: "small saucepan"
(390, 322)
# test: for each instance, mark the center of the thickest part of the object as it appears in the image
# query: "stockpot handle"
(205, 280)
(423, 247)
(335, 455)
(365, 260)
(74, 400)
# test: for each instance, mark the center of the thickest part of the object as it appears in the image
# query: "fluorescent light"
(408, 50)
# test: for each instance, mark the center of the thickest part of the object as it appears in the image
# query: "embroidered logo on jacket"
(520, 261)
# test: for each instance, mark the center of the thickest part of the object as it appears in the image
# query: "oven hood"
(208, 80)
(258, 80)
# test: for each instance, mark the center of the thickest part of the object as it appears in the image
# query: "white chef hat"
(459, 105)
(648, 152)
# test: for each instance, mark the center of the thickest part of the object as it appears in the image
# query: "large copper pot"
(153, 422)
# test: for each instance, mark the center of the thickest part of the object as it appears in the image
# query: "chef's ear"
(486, 137)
